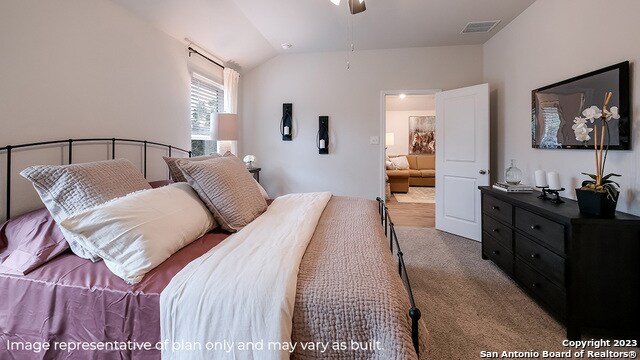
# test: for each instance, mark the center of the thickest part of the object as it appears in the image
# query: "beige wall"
(77, 68)
(319, 84)
(549, 42)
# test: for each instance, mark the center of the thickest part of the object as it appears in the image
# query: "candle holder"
(322, 139)
(544, 190)
(554, 193)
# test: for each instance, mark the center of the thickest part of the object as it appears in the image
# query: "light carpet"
(418, 194)
(469, 305)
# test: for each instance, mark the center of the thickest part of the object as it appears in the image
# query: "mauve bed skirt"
(95, 305)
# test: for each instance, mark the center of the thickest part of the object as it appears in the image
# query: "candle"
(541, 179)
(286, 130)
(322, 144)
(553, 179)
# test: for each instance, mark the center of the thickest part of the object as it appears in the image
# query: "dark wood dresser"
(583, 270)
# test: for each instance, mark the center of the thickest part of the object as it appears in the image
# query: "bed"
(348, 292)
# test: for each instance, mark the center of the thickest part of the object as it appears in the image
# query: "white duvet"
(236, 301)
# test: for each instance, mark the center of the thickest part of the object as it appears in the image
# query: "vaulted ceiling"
(249, 32)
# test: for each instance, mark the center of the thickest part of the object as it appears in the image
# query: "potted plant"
(599, 195)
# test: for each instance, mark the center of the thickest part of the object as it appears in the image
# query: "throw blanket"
(236, 301)
(349, 293)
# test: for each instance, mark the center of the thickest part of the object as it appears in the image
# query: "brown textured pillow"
(227, 188)
(68, 189)
(174, 170)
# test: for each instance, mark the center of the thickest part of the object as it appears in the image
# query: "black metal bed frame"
(69, 142)
(390, 232)
(385, 219)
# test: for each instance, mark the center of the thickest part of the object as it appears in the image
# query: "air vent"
(479, 27)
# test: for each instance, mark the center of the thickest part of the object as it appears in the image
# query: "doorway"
(408, 131)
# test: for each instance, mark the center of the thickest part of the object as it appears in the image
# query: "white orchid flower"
(612, 113)
(579, 120)
(581, 130)
(592, 113)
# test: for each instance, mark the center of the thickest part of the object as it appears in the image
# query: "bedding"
(71, 299)
(174, 170)
(30, 240)
(136, 233)
(68, 189)
(244, 289)
(263, 192)
(347, 290)
(227, 189)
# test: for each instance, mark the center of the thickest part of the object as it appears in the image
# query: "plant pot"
(596, 203)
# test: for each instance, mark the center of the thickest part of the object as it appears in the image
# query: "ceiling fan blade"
(357, 6)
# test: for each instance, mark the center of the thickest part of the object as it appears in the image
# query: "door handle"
(482, 172)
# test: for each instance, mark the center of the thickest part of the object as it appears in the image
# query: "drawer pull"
(496, 230)
(535, 256)
(496, 208)
(496, 252)
(535, 284)
(535, 227)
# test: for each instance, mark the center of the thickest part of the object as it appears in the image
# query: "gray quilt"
(350, 301)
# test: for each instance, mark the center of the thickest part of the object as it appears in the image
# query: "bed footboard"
(390, 233)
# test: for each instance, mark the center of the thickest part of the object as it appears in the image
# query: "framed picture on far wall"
(422, 135)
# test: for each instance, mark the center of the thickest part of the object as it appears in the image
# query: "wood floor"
(412, 214)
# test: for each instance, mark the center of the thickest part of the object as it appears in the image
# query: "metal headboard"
(69, 142)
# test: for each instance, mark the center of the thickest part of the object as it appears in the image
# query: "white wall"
(397, 122)
(549, 42)
(76, 68)
(319, 84)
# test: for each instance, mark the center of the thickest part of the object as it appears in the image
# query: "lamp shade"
(389, 139)
(224, 126)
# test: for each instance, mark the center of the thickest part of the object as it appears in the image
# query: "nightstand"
(256, 172)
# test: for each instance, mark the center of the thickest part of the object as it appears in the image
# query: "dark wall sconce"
(286, 123)
(322, 140)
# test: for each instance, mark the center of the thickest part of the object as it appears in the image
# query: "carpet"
(418, 194)
(468, 304)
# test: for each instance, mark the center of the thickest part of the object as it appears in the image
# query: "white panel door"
(462, 158)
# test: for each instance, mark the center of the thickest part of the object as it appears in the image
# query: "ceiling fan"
(355, 6)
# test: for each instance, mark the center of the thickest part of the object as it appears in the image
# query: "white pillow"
(400, 162)
(389, 165)
(68, 189)
(135, 233)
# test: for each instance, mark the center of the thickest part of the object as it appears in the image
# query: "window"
(206, 97)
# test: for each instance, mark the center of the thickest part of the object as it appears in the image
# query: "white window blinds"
(206, 97)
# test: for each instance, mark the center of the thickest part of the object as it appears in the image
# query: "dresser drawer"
(552, 295)
(499, 231)
(541, 259)
(498, 254)
(543, 229)
(498, 209)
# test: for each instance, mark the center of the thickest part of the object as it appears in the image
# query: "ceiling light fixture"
(357, 6)
(402, 96)
(286, 46)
